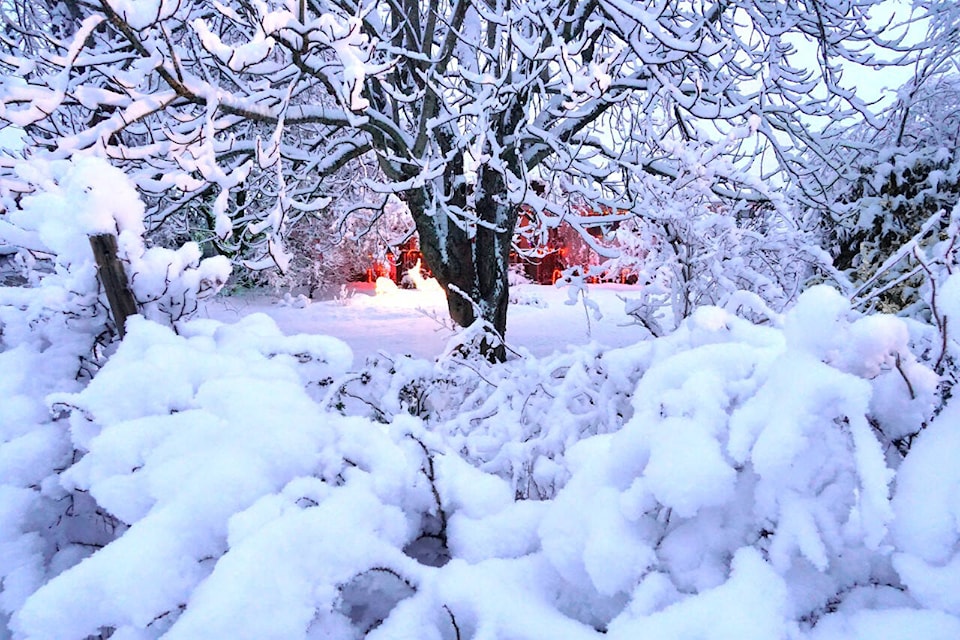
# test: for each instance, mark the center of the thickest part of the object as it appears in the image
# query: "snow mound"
(726, 481)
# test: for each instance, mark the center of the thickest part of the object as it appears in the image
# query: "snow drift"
(727, 481)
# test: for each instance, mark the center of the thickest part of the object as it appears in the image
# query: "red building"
(541, 254)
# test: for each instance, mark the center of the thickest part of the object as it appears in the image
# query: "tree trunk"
(471, 264)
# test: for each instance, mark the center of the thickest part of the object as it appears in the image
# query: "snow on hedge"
(729, 480)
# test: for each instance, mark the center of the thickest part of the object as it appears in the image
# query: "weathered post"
(114, 279)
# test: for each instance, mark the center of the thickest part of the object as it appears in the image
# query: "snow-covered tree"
(238, 113)
(342, 244)
(905, 182)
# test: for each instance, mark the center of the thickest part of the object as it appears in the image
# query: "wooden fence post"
(114, 279)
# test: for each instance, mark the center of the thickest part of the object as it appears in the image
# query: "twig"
(430, 473)
(444, 323)
(463, 363)
(938, 367)
(889, 263)
(941, 321)
(913, 396)
(453, 621)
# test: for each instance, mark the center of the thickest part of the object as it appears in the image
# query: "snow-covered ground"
(416, 322)
(727, 481)
(287, 471)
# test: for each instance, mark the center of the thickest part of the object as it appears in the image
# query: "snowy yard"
(415, 322)
(758, 442)
(731, 480)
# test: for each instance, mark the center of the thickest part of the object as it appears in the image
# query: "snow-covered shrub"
(53, 325)
(728, 480)
(43, 528)
(927, 269)
(926, 530)
(689, 244)
(903, 198)
(707, 255)
(179, 434)
(341, 243)
(68, 201)
(516, 275)
(317, 265)
(516, 420)
(524, 296)
(746, 438)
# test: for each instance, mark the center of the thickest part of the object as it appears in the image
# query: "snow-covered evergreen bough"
(728, 480)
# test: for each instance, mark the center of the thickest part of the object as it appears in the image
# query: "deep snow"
(722, 482)
(245, 475)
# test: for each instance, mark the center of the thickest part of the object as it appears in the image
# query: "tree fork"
(473, 270)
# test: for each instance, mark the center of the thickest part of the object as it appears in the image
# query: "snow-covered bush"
(340, 244)
(706, 255)
(53, 327)
(690, 244)
(62, 302)
(903, 197)
(171, 433)
(926, 531)
(729, 480)
(921, 274)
